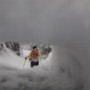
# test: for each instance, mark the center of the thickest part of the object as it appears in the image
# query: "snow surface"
(59, 71)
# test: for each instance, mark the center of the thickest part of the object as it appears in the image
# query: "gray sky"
(45, 20)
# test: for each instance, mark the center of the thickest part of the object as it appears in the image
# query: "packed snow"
(54, 73)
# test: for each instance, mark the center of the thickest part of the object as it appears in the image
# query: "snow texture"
(60, 71)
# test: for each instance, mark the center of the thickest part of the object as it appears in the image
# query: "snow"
(54, 73)
(13, 60)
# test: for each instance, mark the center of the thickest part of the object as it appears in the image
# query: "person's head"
(34, 47)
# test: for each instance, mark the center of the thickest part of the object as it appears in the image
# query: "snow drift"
(59, 71)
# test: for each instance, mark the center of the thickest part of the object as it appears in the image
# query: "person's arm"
(28, 56)
(39, 53)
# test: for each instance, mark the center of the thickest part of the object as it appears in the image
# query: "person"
(34, 56)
